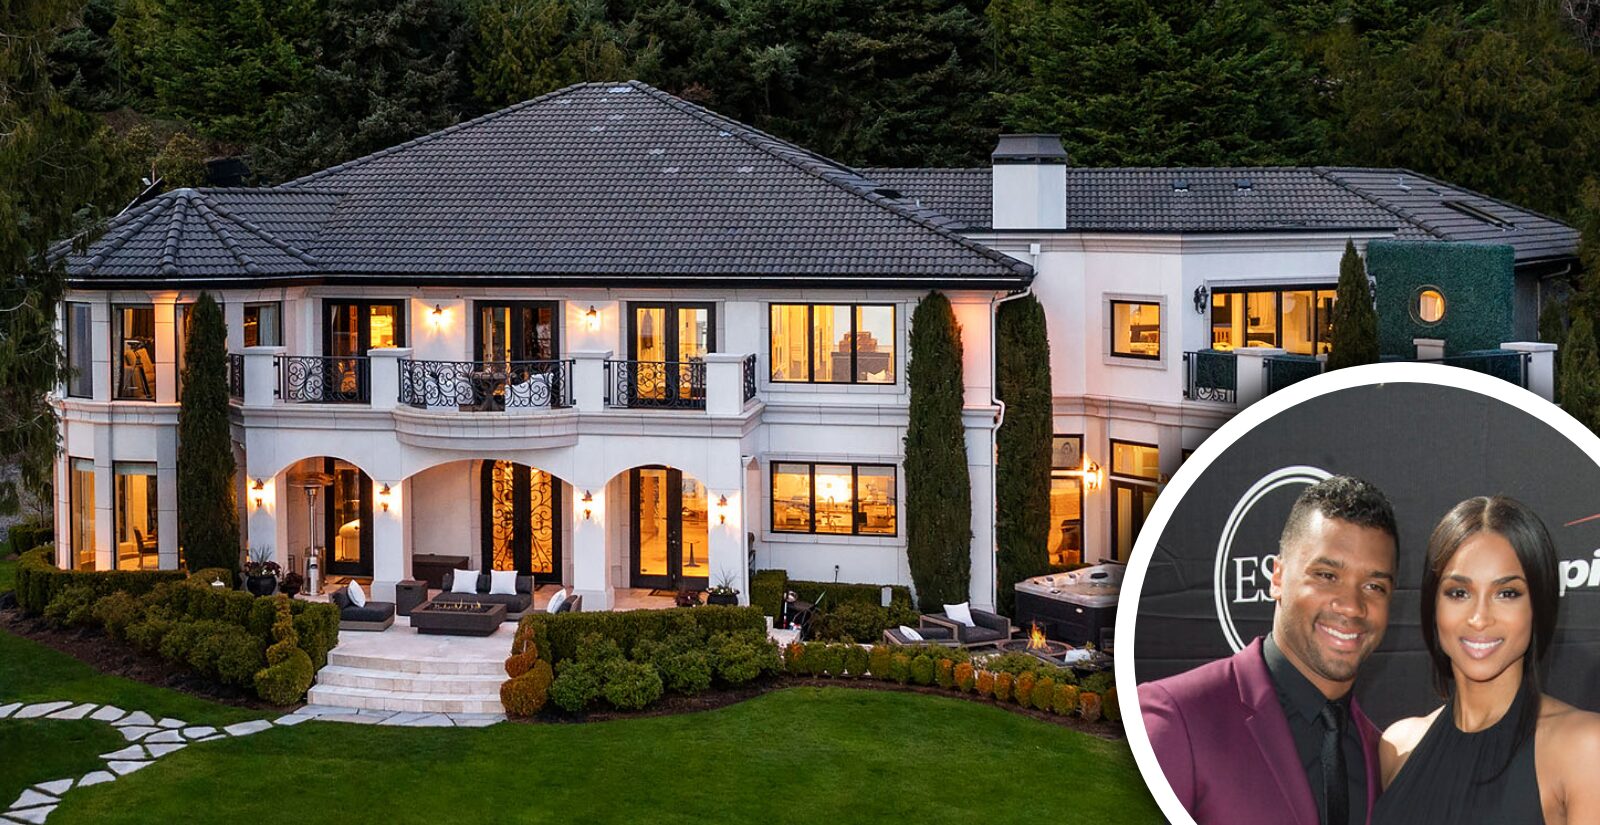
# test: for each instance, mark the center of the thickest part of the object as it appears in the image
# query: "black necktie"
(1335, 788)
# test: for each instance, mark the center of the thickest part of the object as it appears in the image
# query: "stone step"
(452, 683)
(371, 699)
(403, 664)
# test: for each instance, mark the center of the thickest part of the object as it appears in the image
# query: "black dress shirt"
(1302, 704)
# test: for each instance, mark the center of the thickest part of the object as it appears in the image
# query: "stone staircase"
(371, 680)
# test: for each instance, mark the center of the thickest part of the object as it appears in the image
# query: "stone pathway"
(150, 739)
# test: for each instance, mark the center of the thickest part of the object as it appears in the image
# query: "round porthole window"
(1429, 306)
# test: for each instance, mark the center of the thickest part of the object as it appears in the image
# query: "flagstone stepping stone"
(77, 712)
(164, 737)
(96, 778)
(138, 717)
(130, 752)
(55, 788)
(351, 718)
(41, 709)
(291, 720)
(109, 713)
(432, 720)
(157, 751)
(9, 709)
(32, 815)
(198, 733)
(172, 723)
(247, 728)
(403, 718)
(466, 720)
(132, 733)
(125, 768)
(31, 797)
(213, 737)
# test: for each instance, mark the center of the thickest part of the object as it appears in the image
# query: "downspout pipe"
(1000, 418)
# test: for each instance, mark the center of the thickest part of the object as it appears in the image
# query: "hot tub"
(1072, 607)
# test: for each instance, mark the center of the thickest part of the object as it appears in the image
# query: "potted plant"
(723, 592)
(261, 572)
(291, 584)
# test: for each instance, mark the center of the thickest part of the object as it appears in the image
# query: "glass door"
(667, 345)
(669, 530)
(347, 520)
(1130, 506)
(352, 328)
(521, 520)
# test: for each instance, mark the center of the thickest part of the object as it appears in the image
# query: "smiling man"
(1272, 735)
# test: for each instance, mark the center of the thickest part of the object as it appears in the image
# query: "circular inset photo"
(1372, 597)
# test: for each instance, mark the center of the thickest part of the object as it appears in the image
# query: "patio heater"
(312, 483)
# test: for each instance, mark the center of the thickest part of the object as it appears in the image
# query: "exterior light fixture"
(722, 509)
(592, 318)
(1202, 296)
(259, 492)
(438, 312)
(383, 498)
(588, 505)
(1089, 472)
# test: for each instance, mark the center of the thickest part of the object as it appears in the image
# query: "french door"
(347, 519)
(516, 331)
(521, 517)
(669, 532)
(667, 343)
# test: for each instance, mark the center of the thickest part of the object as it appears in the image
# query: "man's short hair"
(1339, 497)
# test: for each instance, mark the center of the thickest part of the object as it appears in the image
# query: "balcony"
(1210, 375)
(480, 386)
(236, 376)
(677, 385)
(1216, 376)
(320, 379)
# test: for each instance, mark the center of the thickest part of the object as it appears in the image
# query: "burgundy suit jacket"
(1224, 744)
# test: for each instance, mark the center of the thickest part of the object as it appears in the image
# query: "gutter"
(1000, 418)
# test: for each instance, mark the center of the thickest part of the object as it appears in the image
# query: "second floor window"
(1136, 329)
(80, 351)
(357, 326)
(844, 499)
(133, 366)
(833, 343)
(261, 325)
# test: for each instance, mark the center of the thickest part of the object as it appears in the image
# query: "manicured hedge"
(559, 634)
(39, 581)
(848, 612)
(766, 590)
(26, 535)
(836, 594)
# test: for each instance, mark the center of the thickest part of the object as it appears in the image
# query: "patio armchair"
(374, 616)
(989, 629)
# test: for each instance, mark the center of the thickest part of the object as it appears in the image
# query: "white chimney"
(1030, 183)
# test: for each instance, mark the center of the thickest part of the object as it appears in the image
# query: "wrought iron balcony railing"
(473, 386)
(236, 375)
(321, 379)
(749, 377)
(665, 384)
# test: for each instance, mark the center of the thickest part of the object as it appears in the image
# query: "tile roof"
(1413, 206)
(595, 182)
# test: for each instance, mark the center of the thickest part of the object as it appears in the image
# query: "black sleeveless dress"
(1442, 783)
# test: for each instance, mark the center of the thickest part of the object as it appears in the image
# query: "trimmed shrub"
(631, 685)
(835, 595)
(147, 633)
(526, 694)
(938, 508)
(766, 591)
(1089, 706)
(944, 674)
(1065, 702)
(983, 683)
(1099, 682)
(226, 652)
(922, 670)
(39, 581)
(856, 661)
(72, 607)
(520, 663)
(289, 671)
(684, 668)
(1022, 444)
(116, 612)
(824, 659)
(1109, 707)
(1022, 688)
(207, 575)
(27, 535)
(559, 634)
(966, 677)
(577, 686)
(1002, 687)
(1044, 693)
(1355, 322)
(1018, 663)
(738, 658)
(794, 660)
(900, 668)
(208, 521)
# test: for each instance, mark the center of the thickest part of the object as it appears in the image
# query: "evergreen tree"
(938, 487)
(526, 48)
(381, 73)
(1022, 483)
(208, 523)
(1580, 374)
(1355, 322)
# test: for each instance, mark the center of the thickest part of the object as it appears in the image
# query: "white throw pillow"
(910, 634)
(465, 581)
(960, 613)
(502, 582)
(358, 597)
(556, 601)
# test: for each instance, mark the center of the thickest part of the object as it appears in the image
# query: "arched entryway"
(520, 511)
(668, 529)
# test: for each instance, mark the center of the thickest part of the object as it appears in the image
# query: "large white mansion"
(614, 339)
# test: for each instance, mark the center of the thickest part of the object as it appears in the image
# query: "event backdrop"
(1427, 447)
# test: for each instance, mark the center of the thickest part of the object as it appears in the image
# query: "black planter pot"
(714, 598)
(261, 585)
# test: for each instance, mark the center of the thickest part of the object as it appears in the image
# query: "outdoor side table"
(408, 594)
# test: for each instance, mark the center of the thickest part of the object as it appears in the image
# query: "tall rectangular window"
(80, 350)
(80, 500)
(1135, 473)
(832, 343)
(1299, 320)
(135, 515)
(1065, 544)
(1136, 329)
(133, 369)
(840, 499)
(182, 318)
(262, 327)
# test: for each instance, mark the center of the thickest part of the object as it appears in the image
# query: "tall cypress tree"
(1022, 483)
(1355, 322)
(1580, 373)
(208, 524)
(938, 488)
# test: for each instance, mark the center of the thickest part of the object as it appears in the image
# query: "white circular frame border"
(1245, 421)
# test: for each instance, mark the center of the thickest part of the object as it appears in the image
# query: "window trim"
(1070, 474)
(74, 510)
(811, 489)
(117, 510)
(811, 344)
(1161, 326)
(87, 373)
(402, 331)
(119, 338)
(278, 316)
(1277, 302)
(475, 343)
(1111, 461)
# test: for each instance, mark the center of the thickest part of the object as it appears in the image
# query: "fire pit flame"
(1036, 639)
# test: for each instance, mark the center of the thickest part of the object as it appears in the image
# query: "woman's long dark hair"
(1527, 535)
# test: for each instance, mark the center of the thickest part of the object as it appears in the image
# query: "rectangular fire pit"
(458, 619)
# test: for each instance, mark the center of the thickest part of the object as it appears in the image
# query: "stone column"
(724, 384)
(589, 381)
(1541, 366)
(589, 564)
(1429, 349)
(1252, 373)
(384, 376)
(261, 376)
(388, 536)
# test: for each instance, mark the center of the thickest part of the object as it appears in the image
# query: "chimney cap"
(1042, 149)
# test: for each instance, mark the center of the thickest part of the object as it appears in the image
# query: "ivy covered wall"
(1476, 280)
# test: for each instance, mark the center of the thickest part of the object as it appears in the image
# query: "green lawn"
(42, 750)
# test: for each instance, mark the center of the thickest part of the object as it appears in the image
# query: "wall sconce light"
(438, 312)
(591, 319)
(1090, 473)
(588, 505)
(383, 498)
(722, 509)
(436, 316)
(259, 492)
(1201, 298)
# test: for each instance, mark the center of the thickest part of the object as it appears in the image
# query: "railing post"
(1540, 378)
(384, 375)
(261, 375)
(589, 380)
(724, 383)
(1251, 375)
(1429, 349)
